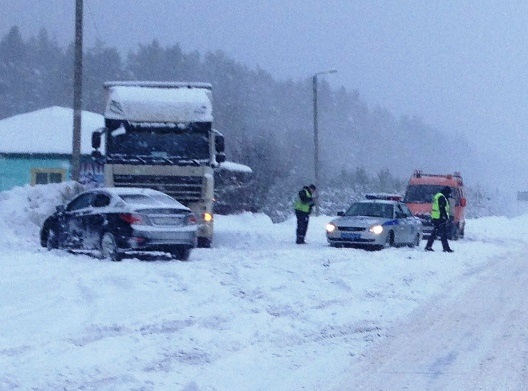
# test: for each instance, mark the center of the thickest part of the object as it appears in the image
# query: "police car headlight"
(330, 227)
(376, 229)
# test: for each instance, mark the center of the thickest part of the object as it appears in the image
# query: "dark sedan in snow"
(113, 222)
(380, 221)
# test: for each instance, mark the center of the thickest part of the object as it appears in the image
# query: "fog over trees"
(268, 124)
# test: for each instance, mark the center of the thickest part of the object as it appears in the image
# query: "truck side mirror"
(96, 140)
(220, 157)
(463, 202)
(219, 143)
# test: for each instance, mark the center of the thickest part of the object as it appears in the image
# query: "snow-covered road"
(473, 336)
(257, 312)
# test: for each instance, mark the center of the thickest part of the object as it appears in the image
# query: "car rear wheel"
(109, 249)
(416, 241)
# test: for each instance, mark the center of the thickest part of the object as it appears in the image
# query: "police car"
(379, 221)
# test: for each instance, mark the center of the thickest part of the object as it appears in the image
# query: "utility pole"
(77, 92)
(316, 140)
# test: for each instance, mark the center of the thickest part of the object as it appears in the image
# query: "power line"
(91, 15)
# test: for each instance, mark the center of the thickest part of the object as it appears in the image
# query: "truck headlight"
(330, 227)
(376, 229)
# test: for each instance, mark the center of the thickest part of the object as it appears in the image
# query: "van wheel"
(455, 233)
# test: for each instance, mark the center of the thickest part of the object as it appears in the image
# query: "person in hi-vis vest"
(303, 207)
(440, 219)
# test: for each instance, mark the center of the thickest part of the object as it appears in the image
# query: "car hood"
(358, 221)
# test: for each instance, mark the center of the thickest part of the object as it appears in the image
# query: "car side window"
(81, 202)
(101, 200)
(388, 211)
(406, 210)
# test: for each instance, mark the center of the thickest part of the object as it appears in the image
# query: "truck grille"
(185, 189)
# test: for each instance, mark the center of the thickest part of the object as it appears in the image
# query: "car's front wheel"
(389, 240)
(52, 242)
(109, 249)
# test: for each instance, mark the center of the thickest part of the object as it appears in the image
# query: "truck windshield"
(421, 194)
(161, 145)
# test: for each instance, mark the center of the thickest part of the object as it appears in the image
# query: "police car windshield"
(370, 209)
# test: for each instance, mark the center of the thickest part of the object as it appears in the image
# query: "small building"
(36, 147)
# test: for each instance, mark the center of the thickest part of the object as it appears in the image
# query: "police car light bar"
(383, 196)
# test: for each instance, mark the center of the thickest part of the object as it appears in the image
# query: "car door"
(71, 221)
(95, 220)
(398, 228)
(411, 224)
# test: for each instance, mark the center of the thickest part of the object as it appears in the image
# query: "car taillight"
(190, 220)
(132, 218)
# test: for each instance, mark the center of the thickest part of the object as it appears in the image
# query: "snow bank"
(23, 210)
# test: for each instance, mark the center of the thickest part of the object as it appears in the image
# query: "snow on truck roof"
(159, 102)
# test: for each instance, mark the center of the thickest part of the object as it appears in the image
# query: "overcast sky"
(459, 65)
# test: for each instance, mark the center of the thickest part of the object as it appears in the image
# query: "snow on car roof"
(378, 201)
(130, 191)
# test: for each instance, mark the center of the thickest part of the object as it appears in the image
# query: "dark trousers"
(302, 225)
(439, 228)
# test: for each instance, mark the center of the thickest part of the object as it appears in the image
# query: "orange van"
(419, 197)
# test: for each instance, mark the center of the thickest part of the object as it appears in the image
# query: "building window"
(42, 176)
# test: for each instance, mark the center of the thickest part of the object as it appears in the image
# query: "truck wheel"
(181, 253)
(109, 249)
(203, 242)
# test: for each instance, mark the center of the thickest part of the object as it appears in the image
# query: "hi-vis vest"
(299, 205)
(435, 211)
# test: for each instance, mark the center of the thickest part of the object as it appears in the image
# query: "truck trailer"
(160, 135)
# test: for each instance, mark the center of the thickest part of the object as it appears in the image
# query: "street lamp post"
(316, 133)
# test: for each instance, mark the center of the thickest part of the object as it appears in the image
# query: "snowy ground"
(255, 312)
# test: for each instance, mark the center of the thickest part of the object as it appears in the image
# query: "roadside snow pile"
(498, 229)
(23, 210)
